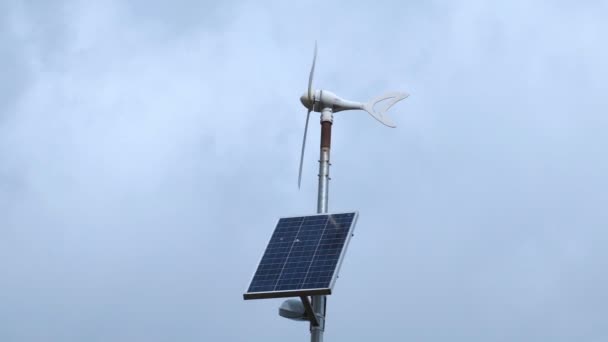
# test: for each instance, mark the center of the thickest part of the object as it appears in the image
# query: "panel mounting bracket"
(310, 314)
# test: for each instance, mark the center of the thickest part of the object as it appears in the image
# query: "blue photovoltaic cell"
(303, 253)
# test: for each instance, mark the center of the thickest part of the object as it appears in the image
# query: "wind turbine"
(327, 103)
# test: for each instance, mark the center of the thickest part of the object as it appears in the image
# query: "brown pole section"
(325, 134)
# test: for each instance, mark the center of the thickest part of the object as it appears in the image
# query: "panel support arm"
(310, 314)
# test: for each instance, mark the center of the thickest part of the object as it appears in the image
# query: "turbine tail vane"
(379, 114)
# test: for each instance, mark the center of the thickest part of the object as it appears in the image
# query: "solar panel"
(303, 256)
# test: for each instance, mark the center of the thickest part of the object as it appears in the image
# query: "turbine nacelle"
(326, 99)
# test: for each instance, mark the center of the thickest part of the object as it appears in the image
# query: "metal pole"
(319, 302)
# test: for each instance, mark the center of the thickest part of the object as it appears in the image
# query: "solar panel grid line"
(314, 253)
(290, 249)
(319, 274)
(290, 228)
(304, 240)
(264, 252)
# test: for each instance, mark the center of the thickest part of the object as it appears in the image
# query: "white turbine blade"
(312, 72)
(392, 98)
(303, 148)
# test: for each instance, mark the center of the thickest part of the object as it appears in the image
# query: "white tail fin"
(378, 114)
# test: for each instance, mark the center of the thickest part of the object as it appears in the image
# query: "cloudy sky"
(147, 149)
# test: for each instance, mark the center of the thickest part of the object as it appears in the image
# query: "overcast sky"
(147, 149)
